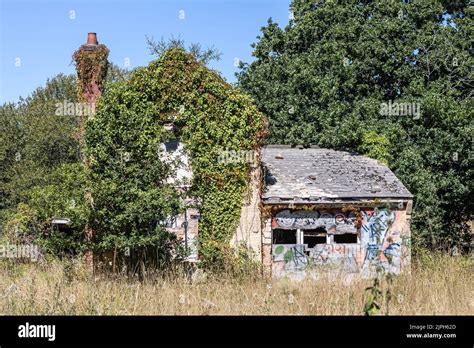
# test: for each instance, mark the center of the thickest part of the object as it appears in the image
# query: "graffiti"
(333, 223)
(375, 229)
(382, 244)
(392, 254)
(293, 256)
(343, 257)
(371, 253)
(299, 257)
(296, 259)
(376, 224)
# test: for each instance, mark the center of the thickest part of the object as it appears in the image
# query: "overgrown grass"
(438, 284)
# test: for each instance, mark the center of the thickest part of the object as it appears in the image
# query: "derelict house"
(313, 210)
(308, 210)
(327, 211)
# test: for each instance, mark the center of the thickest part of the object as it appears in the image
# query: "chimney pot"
(92, 39)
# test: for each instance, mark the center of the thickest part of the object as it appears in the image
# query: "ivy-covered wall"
(129, 188)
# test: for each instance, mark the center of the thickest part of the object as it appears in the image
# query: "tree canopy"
(41, 176)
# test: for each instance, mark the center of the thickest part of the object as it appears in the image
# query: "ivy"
(210, 115)
(91, 66)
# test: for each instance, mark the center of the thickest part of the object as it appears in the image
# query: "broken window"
(284, 236)
(345, 238)
(314, 237)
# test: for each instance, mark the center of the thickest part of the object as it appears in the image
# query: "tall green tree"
(40, 167)
(324, 79)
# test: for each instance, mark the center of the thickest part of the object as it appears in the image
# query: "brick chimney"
(91, 66)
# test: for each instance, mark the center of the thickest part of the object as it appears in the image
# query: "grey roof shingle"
(316, 174)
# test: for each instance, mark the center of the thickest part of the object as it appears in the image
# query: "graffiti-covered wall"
(339, 242)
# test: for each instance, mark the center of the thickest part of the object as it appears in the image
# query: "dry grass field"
(438, 285)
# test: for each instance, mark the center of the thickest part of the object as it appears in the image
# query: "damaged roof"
(324, 175)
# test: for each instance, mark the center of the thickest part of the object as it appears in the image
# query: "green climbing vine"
(91, 65)
(209, 115)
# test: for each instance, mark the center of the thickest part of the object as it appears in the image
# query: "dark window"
(313, 237)
(345, 238)
(284, 236)
(171, 145)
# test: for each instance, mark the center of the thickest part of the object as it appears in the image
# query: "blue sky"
(38, 37)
